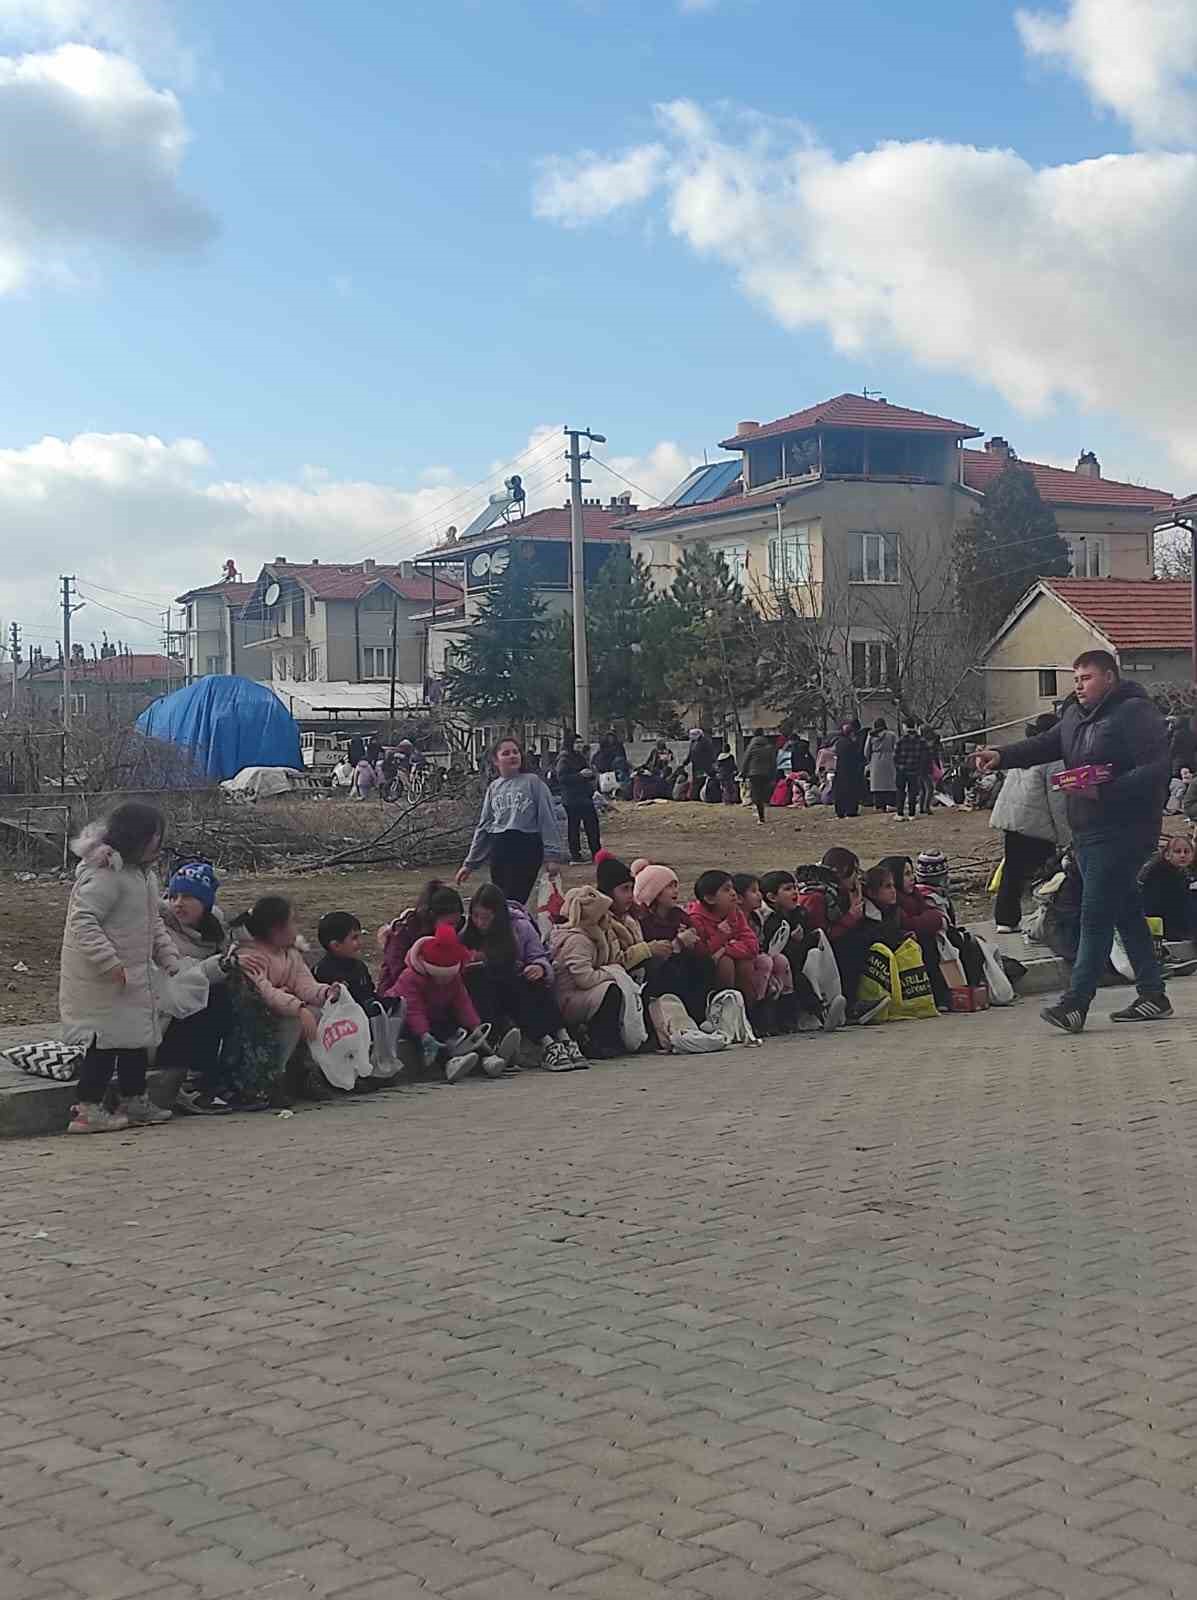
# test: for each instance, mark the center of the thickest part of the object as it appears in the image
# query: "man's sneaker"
(1065, 1015)
(142, 1112)
(1180, 969)
(87, 1118)
(866, 1011)
(458, 1067)
(1006, 927)
(496, 1062)
(835, 1014)
(194, 1103)
(1147, 1008)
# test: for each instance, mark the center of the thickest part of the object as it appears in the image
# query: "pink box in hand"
(1083, 777)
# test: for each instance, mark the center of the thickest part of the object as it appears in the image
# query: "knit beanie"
(441, 955)
(610, 872)
(197, 879)
(651, 881)
(931, 868)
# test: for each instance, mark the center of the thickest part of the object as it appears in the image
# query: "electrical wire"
(144, 622)
(639, 488)
(124, 594)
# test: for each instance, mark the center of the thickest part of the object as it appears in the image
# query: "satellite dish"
(480, 565)
(273, 591)
(499, 563)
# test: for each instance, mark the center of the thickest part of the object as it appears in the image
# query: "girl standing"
(113, 939)
(518, 829)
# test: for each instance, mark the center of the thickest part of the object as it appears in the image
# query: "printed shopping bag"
(901, 977)
(341, 1048)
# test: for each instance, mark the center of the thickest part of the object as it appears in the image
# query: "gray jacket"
(883, 771)
(113, 921)
(1028, 804)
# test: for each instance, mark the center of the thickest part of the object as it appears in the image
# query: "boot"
(787, 1013)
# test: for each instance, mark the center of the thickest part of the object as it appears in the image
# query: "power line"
(124, 593)
(639, 488)
(143, 622)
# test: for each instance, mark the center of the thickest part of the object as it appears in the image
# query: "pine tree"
(508, 665)
(626, 681)
(1012, 540)
(710, 632)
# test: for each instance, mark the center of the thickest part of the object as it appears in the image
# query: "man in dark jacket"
(912, 764)
(575, 776)
(1115, 827)
(760, 768)
(701, 758)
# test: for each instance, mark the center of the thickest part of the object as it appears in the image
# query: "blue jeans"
(1111, 901)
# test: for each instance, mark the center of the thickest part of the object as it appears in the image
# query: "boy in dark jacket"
(340, 936)
(786, 932)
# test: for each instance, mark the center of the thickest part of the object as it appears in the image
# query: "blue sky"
(370, 291)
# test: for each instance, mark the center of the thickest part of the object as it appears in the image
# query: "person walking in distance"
(1115, 826)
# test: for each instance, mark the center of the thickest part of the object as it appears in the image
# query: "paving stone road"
(907, 1313)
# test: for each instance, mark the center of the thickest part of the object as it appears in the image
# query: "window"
(1090, 557)
(78, 705)
(376, 661)
(298, 614)
(215, 664)
(314, 662)
(190, 615)
(789, 558)
(1047, 684)
(736, 558)
(874, 558)
(873, 665)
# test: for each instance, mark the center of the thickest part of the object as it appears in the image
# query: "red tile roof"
(343, 581)
(1133, 614)
(235, 593)
(1059, 486)
(120, 669)
(598, 522)
(854, 411)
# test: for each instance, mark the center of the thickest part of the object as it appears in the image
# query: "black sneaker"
(1147, 1008)
(1066, 1015)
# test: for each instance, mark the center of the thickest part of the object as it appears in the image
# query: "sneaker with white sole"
(1065, 1015)
(142, 1112)
(557, 1058)
(89, 1118)
(496, 1062)
(195, 1103)
(458, 1067)
(1006, 927)
(1147, 1008)
(477, 1039)
(576, 1054)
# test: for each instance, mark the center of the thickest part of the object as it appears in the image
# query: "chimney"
(746, 427)
(368, 564)
(315, 561)
(280, 561)
(407, 570)
(620, 502)
(997, 446)
(1088, 465)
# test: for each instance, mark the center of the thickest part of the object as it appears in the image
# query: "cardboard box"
(1089, 777)
(969, 1000)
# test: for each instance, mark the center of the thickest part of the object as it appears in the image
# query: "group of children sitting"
(468, 987)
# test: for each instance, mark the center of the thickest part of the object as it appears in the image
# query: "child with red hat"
(439, 1013)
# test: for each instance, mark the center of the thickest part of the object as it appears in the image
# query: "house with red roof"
(852, 507)
(108, 690)
(1145, 623)
(338, 622)
(214, 635)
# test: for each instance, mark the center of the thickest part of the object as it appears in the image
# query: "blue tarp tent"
(227, 724)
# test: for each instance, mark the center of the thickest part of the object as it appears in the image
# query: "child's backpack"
(728, 1016)
(676, 1031)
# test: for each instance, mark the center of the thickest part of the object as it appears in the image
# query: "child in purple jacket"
(511, 980)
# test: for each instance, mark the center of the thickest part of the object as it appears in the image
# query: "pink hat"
(651, 881)
(440, 956)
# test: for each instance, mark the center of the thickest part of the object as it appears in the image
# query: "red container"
(969, 1000)
(1083, 777)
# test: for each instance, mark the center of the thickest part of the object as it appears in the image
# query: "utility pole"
(14, 635)
(68, 611)
(576, 456)
(394, 658)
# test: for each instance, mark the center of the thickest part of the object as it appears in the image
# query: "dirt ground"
(688, 838)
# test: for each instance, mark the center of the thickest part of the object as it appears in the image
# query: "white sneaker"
(477, 1039)
(89, 1118)
(1005, 927)
(504, 1053)
(141, 1112)
(458, 1067)
(834, 1014)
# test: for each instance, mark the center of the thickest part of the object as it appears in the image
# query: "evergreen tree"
(626, 681)
(1012, 540)
(709, 632)
(508, 663)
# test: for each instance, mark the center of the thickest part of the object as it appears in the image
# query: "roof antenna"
(871, 394)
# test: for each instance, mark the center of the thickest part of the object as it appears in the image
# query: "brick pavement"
(896, 1315)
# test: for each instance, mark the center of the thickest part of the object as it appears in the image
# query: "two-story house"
(851, 508)
(215, 635)
(338, 622)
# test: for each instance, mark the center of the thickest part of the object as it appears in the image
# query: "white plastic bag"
(180, 994)
(822, 971)
(608, 783)
(631, 1021)
(385, 1031)
(546, 900)
(341, 1048)
(1001, 990)
(727, 1015)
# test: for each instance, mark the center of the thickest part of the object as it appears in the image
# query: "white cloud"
(152, 517)
(89, 155)
(1138, 58)
(1058, 282)
(143, 30)
(586, 187)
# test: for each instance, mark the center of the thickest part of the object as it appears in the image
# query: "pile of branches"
(306, 834)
